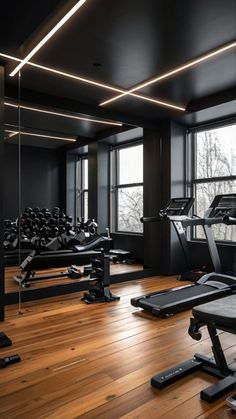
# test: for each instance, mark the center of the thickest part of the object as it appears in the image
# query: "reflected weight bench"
(216, 315)
(100, 282)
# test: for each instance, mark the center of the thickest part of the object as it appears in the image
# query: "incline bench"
(219, 314)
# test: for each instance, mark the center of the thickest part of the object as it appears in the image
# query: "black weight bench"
(100, 292)
(216, 315)
(48, 260)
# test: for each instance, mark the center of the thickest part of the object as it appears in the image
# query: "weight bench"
(216, 315)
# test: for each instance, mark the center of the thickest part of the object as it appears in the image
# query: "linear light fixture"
(170, 73)
(148, 99)
(65, 115)
(102, 85)
(53, 137)
(49, 35)
(11, 133)
(64, 74)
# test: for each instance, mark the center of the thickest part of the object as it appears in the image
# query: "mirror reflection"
(55, 203)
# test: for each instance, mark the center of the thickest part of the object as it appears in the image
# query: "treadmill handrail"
(229, 220)
(150, 219)
(229, 279)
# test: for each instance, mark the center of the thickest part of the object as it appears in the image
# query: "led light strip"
(48, 36)
(104, 86)
(11, 133)
(174, 71)
(41, 135)
(119, 124)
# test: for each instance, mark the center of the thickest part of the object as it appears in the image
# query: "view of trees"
(130, 209)
(215, 158)
(130, 196)
(215, 163)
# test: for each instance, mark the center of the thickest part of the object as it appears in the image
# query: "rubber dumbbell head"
(7, 223)
(28, 210)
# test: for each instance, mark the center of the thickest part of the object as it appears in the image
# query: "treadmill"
(210, 286)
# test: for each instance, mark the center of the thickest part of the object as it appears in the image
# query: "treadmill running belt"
(179, 294)
(176, 300)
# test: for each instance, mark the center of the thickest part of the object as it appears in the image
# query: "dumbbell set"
(42, 228)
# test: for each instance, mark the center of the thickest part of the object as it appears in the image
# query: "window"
(214, 173)
(82, 179)
(127, 189)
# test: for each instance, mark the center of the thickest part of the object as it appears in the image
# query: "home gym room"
(118, 209)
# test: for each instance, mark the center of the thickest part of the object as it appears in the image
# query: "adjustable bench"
(216, 315)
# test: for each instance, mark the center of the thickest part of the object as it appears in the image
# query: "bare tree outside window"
(128, 188)
(130, 209)
(215, 158)
(82, 188)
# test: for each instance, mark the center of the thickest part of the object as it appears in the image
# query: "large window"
(214, 172)
(82, 188)
(127, 189)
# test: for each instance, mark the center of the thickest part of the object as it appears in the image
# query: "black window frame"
(192, 179)
(81, 191)
(115, 186)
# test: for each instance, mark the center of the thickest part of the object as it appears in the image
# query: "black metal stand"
(100, 292)
(217, 367)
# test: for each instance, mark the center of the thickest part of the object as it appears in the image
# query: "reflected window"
(127, 189)
(82, 188)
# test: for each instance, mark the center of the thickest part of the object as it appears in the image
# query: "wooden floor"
(96, 361)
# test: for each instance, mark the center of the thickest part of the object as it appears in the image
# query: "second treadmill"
(210, 286)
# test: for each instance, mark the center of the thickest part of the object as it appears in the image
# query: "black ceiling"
(122, 43)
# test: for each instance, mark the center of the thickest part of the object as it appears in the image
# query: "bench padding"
(221, 312)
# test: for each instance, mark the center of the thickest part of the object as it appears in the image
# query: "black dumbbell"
(28, 210)
(69, 219)
(47, 215)
(4, 362)
(7, 223)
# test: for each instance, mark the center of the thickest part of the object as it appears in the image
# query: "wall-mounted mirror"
(47, 195)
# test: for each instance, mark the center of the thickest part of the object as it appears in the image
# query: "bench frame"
(216, 366)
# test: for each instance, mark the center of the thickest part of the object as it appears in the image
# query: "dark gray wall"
(98, 184)
(40, 178)
(11, 179)
(71, 160)
(164, 178)
(152, 198)
(201, 257)
(173, 186)
(132, 243)
(2, 281)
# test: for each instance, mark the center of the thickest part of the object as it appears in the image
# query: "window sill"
(125, 233)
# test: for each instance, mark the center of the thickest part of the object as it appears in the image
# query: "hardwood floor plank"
(96, 361)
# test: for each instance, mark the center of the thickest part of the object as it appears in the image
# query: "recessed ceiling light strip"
(48, 36)
(105, 86)
(10, 104)
(42, 135)
(12, 133)
(174, 71)
(148, 99)
(64, 74)
(64, 114)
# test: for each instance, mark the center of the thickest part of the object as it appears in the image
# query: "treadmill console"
(177, 206)
(223, 206)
